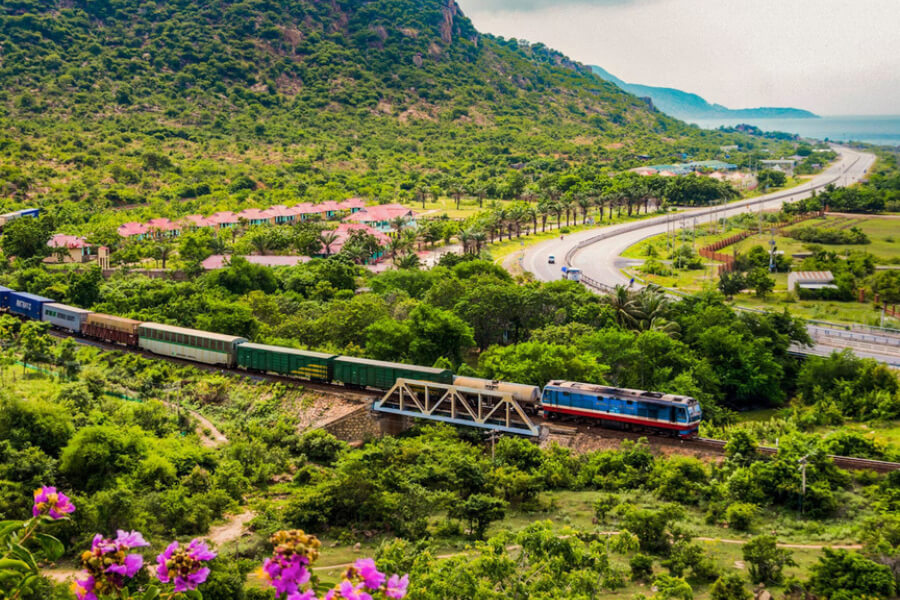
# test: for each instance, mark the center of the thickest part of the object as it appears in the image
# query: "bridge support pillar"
(391, 424)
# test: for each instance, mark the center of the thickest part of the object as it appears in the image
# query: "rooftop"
(61, 240)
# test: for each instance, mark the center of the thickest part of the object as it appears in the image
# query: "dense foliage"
(179, 108)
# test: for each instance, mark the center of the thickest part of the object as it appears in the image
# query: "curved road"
(600, 258)
(597, 251)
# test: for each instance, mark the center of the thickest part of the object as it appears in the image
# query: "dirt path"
(214, 439)
(231, 530)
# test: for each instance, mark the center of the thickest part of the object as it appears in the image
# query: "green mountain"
(687, 106)
(105, 103)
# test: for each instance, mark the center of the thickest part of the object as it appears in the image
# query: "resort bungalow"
(330, 209)
(195, 222)
(306, 211)
(158, 228)
(381, 217)
(224, 219)
(343, 234)
(134, 230)
(255, 216)
(69, 249)
(352, 205)
(282, 215)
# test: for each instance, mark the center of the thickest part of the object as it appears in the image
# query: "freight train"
(607, 406)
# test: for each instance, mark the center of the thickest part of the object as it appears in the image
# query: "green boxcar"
(379, 374)
(286, 361)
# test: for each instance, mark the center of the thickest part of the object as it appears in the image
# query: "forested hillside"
(124, 102)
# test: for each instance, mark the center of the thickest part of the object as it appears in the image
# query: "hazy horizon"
(828, 56)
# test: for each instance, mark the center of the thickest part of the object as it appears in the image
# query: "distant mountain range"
(686, 106)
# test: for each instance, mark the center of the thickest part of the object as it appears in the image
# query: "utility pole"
(493, 436)
(772, 252)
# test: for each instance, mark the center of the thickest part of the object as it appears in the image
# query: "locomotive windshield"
(694, 411)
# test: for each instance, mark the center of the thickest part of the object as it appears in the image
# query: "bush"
(655, 267)
(729, 587)
(766, 560)
(740, 515)
(641, 567)
(321, 447)
(845, 575)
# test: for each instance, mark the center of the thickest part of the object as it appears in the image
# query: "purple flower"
(350, 592)
(370, 575)
(184, 564)
(47, 501)
(84, 588)
(307, 595)
(130, 567)
(396, 586)
(127, 540)
(286, 575)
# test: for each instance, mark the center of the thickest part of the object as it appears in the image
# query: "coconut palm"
(625, 307)
(530, 213)
(544, 208)
(408, 261)
(478, 238)
(465, 238)
(327, 238)
(397, 223)
(585, 202)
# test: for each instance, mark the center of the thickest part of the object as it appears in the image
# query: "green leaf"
(193, 595)
(52, 547)
(22, 553)
(14, 565)
(151, 593)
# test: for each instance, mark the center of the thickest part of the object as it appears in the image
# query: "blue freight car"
(624, 408)
(4, 297)
(27, 305)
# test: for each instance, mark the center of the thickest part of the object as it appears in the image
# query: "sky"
(833, 57)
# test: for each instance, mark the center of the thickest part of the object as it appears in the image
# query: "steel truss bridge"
(472, 407)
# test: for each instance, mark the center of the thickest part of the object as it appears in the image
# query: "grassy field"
(575, 509)
(884, 234)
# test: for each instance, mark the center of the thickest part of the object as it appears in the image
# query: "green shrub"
(740, 515)
(641, 567)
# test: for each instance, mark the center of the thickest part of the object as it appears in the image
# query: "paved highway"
(597, 251)
(600, 259)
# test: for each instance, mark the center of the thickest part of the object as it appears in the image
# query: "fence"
(711, 253)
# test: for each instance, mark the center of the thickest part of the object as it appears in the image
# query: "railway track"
(368, 396)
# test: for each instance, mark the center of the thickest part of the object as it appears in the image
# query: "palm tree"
(624, 305)
(544, 208)
(585, 202)
(260, 243)
(397, 223)
(556, 208)
(530, 213)
(327, 238)
(162, 251)
(457, 192)
(464, 238)
(478, 237)
(395, 246)
(408, 261)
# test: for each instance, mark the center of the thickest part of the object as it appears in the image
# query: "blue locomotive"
(623, 408)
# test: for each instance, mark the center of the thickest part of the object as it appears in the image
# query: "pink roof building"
(255, 216)
(162, 226)
(196, 221)
(224, 218)
(343, 234)
(133, 229)
(306, 209)
(329, 207)
(352, 204)
(381, 216)
(282, 214)
(61, 240)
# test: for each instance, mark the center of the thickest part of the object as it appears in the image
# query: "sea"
(883, 130)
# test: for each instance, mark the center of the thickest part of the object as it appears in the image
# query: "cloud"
(828, 56)
(473, 6)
